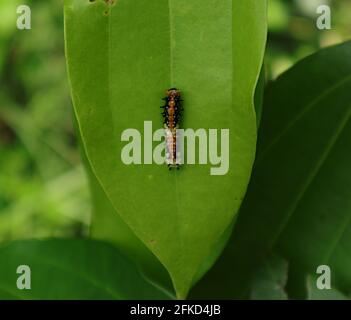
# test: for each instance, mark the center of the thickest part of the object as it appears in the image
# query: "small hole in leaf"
(110, 2)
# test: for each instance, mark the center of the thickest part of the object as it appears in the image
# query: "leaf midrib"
(172, 84)
(171, 28)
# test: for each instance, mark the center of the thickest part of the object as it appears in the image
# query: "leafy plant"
(157, 234)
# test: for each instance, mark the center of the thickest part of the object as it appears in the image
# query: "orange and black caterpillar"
(171, 115)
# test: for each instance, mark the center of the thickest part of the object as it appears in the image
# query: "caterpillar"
(171, 115)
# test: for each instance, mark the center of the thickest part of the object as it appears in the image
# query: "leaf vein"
(291, 123)
(314, 173)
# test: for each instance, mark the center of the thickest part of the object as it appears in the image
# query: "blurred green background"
(43, 188)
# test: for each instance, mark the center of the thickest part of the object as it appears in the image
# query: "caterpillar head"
(173, 93)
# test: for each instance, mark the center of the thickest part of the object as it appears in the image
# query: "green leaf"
(121, 58)
(108, 226)
(298, 202)
(270, 280)
(72, 269)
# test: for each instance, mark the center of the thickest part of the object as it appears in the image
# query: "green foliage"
(296, 214)
(38, 155)
(72, 269)
(120, 84)
(298, 202)
(313, 226)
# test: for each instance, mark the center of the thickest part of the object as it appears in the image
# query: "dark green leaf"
(299, 198)
(72, 269)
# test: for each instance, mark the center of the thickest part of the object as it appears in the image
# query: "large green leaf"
(72, 269)
(121, 58)
(299, 199)
(108, 226)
